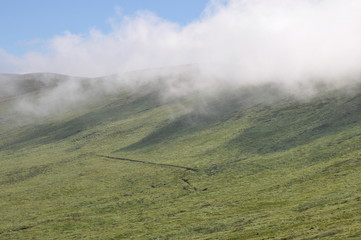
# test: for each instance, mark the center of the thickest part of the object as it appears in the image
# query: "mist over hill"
(157, 154)
(43, 95)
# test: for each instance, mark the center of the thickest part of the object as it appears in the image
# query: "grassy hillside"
(233, 166)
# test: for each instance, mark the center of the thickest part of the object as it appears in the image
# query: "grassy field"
(234, 168)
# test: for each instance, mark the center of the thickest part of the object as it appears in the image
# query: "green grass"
(285, 170)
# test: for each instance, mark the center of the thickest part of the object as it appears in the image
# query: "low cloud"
(233, 43)
(253, 40)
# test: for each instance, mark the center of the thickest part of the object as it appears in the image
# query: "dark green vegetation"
(134, 167)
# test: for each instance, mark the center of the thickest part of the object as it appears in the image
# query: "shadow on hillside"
(297, 124)
(210, 112)
(54, 132)
(179, 127)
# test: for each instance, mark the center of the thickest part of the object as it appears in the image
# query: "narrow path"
(149, 163)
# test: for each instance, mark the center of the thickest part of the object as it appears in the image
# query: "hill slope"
(131, 166)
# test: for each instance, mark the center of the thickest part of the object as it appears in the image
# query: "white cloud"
(254, 40)
(238, 41)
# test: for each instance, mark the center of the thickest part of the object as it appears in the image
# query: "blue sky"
(26, 24)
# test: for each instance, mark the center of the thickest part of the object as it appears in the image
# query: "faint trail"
(17, 229)
(149, 163)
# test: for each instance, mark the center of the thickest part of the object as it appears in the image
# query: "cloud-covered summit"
(243, 40)
(293, 44)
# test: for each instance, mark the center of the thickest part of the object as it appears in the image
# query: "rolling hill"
(247, 163)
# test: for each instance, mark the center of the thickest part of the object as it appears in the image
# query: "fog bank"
(294, 44)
